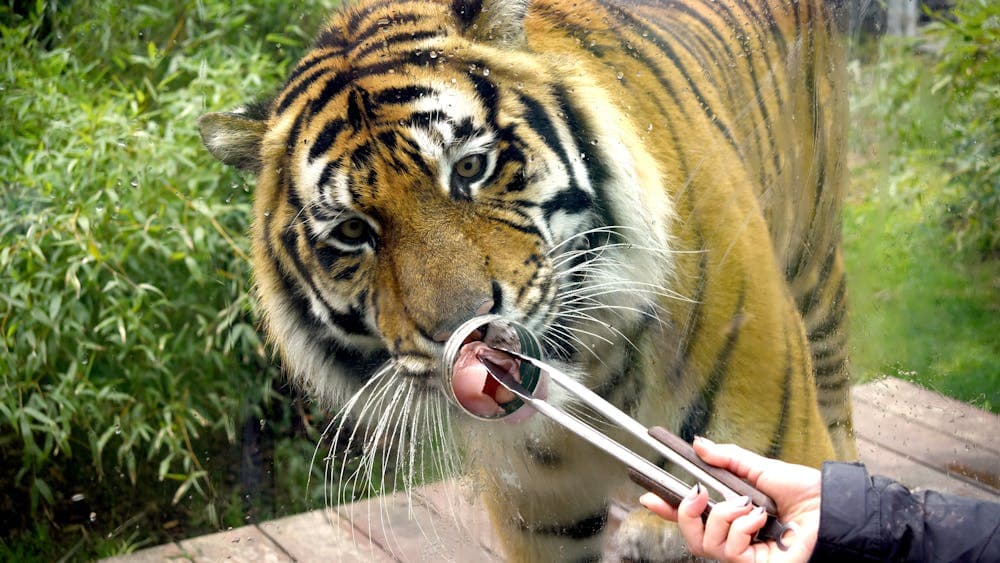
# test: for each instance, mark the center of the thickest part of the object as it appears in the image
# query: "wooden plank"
(915, 476)
(459, 506)
(247, 544)
(321, 535)
(410, 530)
(928, 445)
(932, 410)
(158, 554)
(910, 434)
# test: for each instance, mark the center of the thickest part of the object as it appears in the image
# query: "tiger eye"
(470, 166)
(352, 230)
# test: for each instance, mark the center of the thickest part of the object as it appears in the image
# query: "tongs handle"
(738, 486)
(772, 530)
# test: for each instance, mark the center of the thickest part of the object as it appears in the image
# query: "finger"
(689, 518)
(658, 506)
(741, 533)
(732, 457)
(717, 528)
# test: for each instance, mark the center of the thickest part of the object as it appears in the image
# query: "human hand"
(732, 524)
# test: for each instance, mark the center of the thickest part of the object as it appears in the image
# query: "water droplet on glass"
(620, 75)
(433, 54)
(486, 72)
(594, 142)
(134, 182)
(78, 497)
(649, 127)
(267, 213)
(93, 517)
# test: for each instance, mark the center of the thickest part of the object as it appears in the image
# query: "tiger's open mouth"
(476, 390)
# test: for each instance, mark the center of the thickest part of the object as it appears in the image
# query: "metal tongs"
(642, 471)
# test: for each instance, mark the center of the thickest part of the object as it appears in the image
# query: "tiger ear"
(497, 22)
(234, 138)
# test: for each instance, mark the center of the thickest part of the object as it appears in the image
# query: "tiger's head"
(421, 166)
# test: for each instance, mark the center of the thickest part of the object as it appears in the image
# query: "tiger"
(653, 187)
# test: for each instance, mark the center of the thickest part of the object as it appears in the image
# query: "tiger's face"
(413, 175)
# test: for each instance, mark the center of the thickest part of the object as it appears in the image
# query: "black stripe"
(289, 96)
(538, 119)
(489, 95)
(836, 384)
(699, 413)
(339, 82)
(542, 455)
(387, 139)
(402, 95)
(833, 318)
(727, 83)
(693, 324)
(584, 528)
(526, 228)
(629, 20)
(464, 129)
(598, 170)
(309, 64)
(361, 155)
(808, 300)
(358, 38)
(749, 56)
(778, 437)
(426, 119)
(330, 38)
(466, 11)
(568, 201)
(331, 130)
(324, 176)
(358, 14)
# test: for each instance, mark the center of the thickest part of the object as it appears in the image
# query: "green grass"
(920, 310)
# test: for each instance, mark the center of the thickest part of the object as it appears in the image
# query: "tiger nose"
(443, 333)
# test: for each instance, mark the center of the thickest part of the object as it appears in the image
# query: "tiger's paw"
(644, 536)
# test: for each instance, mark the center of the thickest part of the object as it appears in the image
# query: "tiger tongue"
(475, 389)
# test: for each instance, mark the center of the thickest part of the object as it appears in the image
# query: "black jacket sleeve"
(866, 518)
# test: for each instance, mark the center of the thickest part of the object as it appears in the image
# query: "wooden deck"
(916, 436)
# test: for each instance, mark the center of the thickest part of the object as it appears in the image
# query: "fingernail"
(694, 492)
(647, 499)
(758, 511)
(746, 501)
(704, 440)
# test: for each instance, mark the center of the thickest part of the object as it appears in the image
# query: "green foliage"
(129, 347)
(937, 98)
(968, 71)
(924, 181)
